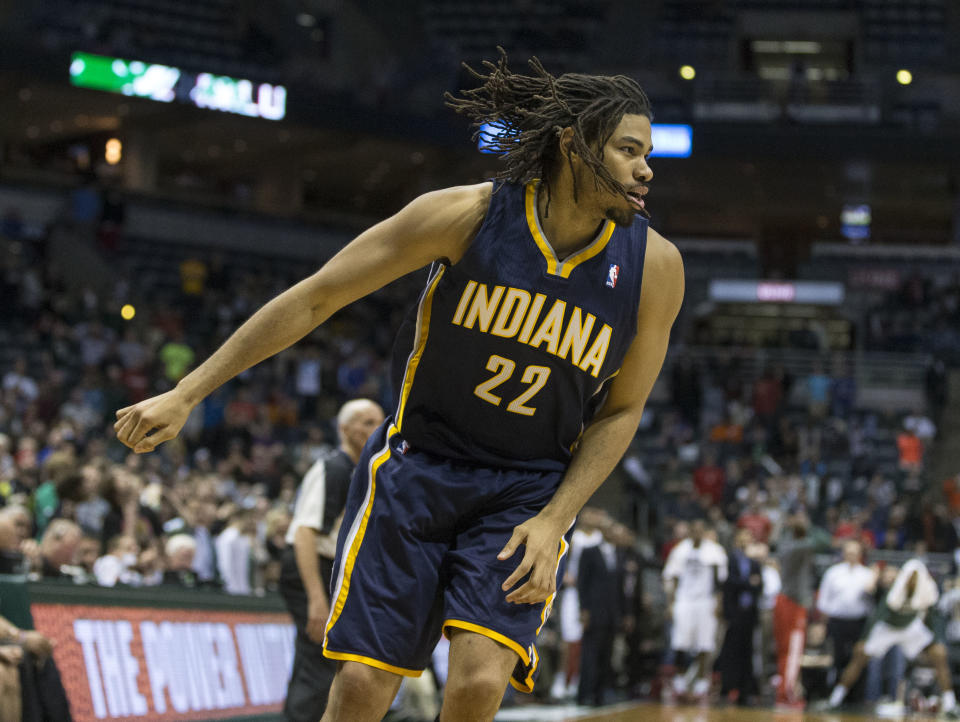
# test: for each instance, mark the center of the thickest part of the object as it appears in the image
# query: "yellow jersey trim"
(489, 633)
(527, 684)
(371, 662)
(343, 587)
(554, 266)
(589, 252)
(423, 330)
(533, 223)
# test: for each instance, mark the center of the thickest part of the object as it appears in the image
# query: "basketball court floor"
(662, 713)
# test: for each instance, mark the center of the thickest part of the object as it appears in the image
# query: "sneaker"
(679, 685)
(701, 688)
(890, 709)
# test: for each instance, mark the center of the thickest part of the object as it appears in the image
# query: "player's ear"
(565, 139)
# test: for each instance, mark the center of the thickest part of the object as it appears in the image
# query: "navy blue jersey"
(506, 356)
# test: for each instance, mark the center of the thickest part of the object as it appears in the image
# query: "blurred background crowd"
(729, 444)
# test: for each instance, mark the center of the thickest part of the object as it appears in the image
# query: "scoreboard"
(165, 83)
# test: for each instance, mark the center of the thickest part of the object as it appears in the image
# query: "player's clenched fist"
(144, 426)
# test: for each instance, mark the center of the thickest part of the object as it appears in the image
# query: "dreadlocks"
(533, 110)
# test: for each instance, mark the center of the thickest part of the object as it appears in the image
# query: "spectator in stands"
(846, 598)
(818, 385)
(939, 532)
(921, 425)
(118, 565)
(692, 577)
(127, 516)
(180, 551)
(58, 546)
(234, 546)
(767, 398)
(177, 357)
(741, 596)
(19, 384)
(911, 450)
(86, 555)
(709, 478)
(843, 392)
(757, 521)
(600, 592)
(11, 558)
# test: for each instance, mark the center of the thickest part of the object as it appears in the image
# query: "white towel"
(925, 594)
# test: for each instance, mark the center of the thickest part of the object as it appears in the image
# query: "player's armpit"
(660, 301)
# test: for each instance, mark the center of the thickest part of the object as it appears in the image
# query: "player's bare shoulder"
(451, 217)
(663, 278)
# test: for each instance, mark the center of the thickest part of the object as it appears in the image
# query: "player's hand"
(541, 540)
(318, 610)
(38, 645)
(163, 415)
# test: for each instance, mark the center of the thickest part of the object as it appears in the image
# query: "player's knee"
(476, 687)
(356, 683)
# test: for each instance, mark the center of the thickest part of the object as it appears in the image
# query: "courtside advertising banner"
(141, 663)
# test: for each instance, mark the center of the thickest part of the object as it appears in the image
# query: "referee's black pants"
(312, 672)
(845, 634)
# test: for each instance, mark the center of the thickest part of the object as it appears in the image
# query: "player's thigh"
(478, 660)
(360, 692)
(684, 630)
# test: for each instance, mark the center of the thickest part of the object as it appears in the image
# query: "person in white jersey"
(692, 576)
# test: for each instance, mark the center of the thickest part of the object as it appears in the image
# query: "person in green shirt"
(906, 617)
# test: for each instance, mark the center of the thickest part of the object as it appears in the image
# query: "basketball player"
(692, 576)
(904, 618)
(526, 366)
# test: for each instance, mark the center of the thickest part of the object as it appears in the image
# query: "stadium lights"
(688, 72)
(670, 140)
(113, 152)
(904, 77)
(127, 312)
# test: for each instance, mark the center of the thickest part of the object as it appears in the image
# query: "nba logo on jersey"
(612, 275)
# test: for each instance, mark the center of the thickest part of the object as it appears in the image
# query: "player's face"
(625, 156)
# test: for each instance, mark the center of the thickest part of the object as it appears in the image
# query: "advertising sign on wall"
(136, 663)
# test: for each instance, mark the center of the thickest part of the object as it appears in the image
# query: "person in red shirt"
(911, 450)
(767, 396)
(757, 522)
(710, 479)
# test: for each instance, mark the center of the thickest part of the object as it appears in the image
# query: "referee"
(308, 558)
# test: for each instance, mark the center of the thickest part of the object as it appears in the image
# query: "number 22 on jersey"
(502, 369)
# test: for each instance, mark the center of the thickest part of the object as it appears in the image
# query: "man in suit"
(601, 605)
(741, 593)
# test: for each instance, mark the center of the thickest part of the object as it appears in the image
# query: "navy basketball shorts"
(417, 556)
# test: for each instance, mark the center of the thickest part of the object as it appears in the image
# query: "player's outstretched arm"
(606, 439)
(440, 224)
